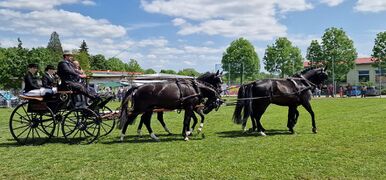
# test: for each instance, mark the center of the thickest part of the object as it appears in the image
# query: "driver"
(71, 78)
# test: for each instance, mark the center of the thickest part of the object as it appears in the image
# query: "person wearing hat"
(30, 79)
(48, 79)
(70, 77)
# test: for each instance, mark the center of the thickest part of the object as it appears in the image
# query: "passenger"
(30, 79)
(48, 79)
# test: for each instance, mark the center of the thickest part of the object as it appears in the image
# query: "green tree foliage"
(283, 58)
(314, 53)
(83, 47)
(149, 71)
(13, 67)
(168, 71)
(241, 57)
(339, 51)
(115, 64)
(84, 60)
(189, 72)
(133, 66)
(98, 62)
(379, 49)
(42, 57)
(55, 47)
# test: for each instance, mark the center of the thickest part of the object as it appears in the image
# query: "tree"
(115, 64)
(83, 47)
(150, 71)
(55, 47)
(98, 62)
(84, 60)
(189, 72)
(14, 67)
(133, 66)
(283, 58)
(314, 53)
(41, 56)
(379, 50)
(19, 43)
(240, 59)
(168, 71)
(339, 53)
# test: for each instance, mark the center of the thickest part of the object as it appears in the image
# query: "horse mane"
(205, 76)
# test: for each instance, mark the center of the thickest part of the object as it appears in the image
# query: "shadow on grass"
(238, 134)
(14, 143)
(147, 139)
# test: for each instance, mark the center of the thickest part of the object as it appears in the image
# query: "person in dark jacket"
(48, 79)
(70, 77)
(30, 79)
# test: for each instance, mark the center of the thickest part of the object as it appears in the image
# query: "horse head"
(213, 79)
(315, 75)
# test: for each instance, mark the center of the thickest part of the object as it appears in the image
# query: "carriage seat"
(41, 92)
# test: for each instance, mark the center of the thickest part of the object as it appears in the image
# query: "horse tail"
(124, 107)
(247, 102)
(239, 106)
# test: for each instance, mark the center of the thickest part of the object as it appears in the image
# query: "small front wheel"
(81, 126)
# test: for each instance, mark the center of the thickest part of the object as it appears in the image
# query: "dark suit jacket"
(48, 81)
(31, 82)
(66, 72)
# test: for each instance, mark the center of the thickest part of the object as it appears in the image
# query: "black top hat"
(33, 65)
(49, 67)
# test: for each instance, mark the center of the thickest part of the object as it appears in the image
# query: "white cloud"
(153, 42)
(255, 19)
(370, 6)
(332, 2)
(64, 22)
(41, 4)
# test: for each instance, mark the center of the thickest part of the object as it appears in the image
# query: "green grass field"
(350, 144)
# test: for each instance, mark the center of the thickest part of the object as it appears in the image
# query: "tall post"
(380, 78)
(229, 74)
(242, 73)
(333, 76)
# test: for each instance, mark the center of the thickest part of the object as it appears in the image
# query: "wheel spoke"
(20, 127)
(23, 132)
(25, 140)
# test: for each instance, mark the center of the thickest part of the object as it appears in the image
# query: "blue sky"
(177, 34)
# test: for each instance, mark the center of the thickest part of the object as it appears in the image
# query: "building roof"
(363, 60)
(108, 73)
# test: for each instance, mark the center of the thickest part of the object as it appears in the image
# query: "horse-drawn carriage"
(38, 119)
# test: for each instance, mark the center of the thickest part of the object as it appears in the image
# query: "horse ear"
(221, 73)
(325, 68)
(218, 71)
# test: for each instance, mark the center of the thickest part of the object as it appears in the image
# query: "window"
(363, 76)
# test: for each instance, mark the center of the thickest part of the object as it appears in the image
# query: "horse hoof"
(261, 133)
(186, 139)
(314, 130)
(292, 131)
(153, 136)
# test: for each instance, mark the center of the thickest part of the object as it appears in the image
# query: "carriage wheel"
(58, 120)
(107, 124)
(32, 128)
(81, 126)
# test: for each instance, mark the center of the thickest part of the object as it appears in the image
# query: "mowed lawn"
(350, 144)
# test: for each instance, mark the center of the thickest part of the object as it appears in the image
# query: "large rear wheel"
(30, 127)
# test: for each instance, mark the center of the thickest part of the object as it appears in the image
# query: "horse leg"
(139, 132)
(188, 115)
(291, 118)
(195, 120)
(307, 106)
(296, 116)
(199, 112)
(124, 128)
(260, 108)
(160, 117)
(146, 117)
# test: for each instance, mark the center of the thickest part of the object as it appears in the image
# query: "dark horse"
(180, 94)
(255, 97)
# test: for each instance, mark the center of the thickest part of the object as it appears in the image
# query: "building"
(365, 70)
